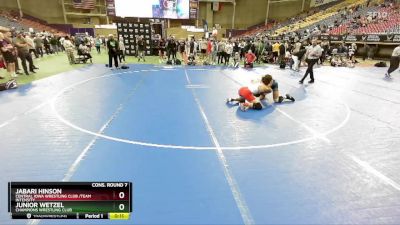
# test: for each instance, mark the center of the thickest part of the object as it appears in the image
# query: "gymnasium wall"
(180, 33)
(48, 10)
(9, 4)
(249, 12)
(105, 32)
(286, 10)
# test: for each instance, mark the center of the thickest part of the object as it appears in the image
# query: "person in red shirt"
(250, 58)
(209, 49)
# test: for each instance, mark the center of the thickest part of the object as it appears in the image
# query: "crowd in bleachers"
(377, 19)
(348, 17)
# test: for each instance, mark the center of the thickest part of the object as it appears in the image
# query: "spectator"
(31, 46)
(69, 49)
(203, 48)
(85, 51)
(325, 48)
(250, 58)
(209, 50)
(192, 46)
(182, 50)
(191, 60)
(259, 49)
(171, 48)
(7, 50)
(61, 44)
(112, 46)
(336, 61)
(23, 53)
(352, 52)
(2, 63)
(121, 51)
(282, 51)
(98, 43)
(275, 51)
(268, 49)
(161, 49)
(54, 44)
(214, 52)
(141, 49)
(38, 41)
(229, 51)
(46, 44)
(8, 37)
(88, 42)
(297, 58)
(241, 48)
(296, 47)
(236, 60)
(221, 52)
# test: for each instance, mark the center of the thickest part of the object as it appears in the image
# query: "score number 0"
(121, 206)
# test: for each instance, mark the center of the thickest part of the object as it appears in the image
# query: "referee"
(394, 61)
(314, 52)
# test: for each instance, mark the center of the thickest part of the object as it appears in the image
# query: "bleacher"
(289, 24)
(37, 26)
(390, 20)
(347, 17)
(324, 17)
(258, 29)
(346, 22)
(11, 19)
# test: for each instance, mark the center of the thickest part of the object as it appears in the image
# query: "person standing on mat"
(394, 62)
(312, 55)
(112, 46)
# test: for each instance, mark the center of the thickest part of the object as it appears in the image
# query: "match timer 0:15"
(70, 200)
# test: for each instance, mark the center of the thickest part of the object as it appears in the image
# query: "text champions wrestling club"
(38, 199)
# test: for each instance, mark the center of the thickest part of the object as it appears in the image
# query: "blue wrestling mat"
(332, 157)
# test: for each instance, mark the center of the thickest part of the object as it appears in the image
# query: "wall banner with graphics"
(368, 38)
(130, 31)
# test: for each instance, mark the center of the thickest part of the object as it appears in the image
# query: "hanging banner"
(384, 38)
(368, 38)
(110, 5)
(130, 32)
(193, 9)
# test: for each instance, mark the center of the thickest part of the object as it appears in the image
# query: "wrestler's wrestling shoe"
(290, 97)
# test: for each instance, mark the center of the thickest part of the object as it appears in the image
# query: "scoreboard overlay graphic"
(70, 200)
